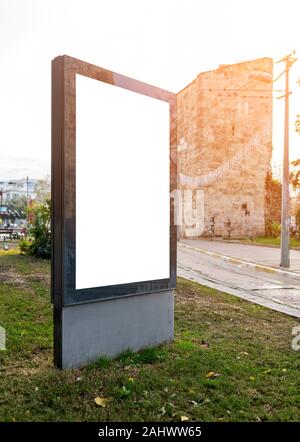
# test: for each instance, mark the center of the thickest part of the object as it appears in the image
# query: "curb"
(237, 261)
(245, 243)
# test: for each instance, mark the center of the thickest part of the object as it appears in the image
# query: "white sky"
(162, 42)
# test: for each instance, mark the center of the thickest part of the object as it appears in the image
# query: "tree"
(17, 207)
(297, 124)
(272, 204)
(295, 175)
(43, 189)
(39, 218)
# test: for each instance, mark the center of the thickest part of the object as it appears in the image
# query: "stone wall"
(224, 123)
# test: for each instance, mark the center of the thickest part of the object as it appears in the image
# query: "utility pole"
(285, 202)
(27, 187)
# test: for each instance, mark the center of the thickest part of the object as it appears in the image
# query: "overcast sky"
(162, 42)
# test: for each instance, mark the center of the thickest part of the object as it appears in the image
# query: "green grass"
(250, 347)
(269, 241)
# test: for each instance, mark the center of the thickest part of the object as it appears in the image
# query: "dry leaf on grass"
(194, 403)
(101, 401)
(184, 418)
(212, 374)
(204, 344)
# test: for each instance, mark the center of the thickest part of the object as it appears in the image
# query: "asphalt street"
(232, 268)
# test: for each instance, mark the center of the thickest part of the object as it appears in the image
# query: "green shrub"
(275, 229)
(25, 245)
(39, 215)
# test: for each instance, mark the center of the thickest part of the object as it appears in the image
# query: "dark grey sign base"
(110, 327)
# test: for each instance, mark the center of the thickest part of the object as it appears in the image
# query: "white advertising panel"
(122, 185)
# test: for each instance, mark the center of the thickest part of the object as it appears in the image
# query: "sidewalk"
(265, 256)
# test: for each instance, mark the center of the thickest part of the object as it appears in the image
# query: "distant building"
(15, 188)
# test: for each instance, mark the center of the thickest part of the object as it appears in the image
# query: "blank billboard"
(122, 185)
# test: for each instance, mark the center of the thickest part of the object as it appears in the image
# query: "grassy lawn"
(247, 347)
(268, 241)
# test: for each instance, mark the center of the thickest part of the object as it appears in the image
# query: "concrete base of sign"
(108, 328)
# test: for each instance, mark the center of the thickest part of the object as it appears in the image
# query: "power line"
(244, 96)
(209, 89)
(280, 75)
(227, 99)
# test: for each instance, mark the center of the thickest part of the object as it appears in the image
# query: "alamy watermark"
(189, 210)
(189, 205)
(296, 339)
(2, 338)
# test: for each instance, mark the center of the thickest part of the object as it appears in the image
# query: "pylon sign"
(113, 171)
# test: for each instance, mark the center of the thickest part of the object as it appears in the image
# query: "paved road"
(272, 289)
(269, 256)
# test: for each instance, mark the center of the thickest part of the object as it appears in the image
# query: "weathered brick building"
(225, 147)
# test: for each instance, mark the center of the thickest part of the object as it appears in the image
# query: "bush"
(39, 230)
(25, 245)
(275, 229)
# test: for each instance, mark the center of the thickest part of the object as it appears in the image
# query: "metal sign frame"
(63, 291)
